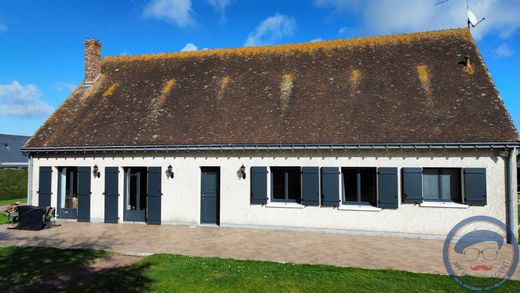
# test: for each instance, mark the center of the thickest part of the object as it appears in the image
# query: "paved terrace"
(415, 255)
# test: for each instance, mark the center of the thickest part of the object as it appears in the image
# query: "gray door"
(111, 194)
(154, 196)
(84, 194)
(210, 196)
(44, 189)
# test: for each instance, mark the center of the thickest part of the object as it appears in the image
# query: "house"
(10, 155)
(402, 135)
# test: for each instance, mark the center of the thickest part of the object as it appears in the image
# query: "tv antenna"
(472, 17)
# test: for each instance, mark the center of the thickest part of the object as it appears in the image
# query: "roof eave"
(269, 147)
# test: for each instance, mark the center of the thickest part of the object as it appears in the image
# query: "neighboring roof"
(412, 88)
(10, 155)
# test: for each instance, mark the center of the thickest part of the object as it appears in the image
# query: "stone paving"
(414, 255)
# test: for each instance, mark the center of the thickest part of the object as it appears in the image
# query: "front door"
(135, 194)
(68, 192)
(210, 196)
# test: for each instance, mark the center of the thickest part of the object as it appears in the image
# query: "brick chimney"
(467, 60)
(92, 60)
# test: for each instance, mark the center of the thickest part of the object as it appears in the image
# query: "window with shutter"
(412, 185)
(442, 184)
(311, 186)
(330, 186)
(286, 184)
(475, 186)
(258, 185)
(359, 186)
(387, 184)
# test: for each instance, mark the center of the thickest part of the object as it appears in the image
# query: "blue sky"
(41, 42)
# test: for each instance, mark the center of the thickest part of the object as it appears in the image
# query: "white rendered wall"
(181, 199)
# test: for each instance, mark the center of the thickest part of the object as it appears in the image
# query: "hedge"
(13, 183)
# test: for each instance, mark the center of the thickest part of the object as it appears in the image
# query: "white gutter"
(14, 164)
(30, 181)
(511, 189)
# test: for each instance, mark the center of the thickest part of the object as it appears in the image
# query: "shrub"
(13, 183)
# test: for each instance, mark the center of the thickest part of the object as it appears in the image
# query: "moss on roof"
(410, 88)
(289, 49)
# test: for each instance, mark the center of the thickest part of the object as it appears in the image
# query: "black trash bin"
(30, 218)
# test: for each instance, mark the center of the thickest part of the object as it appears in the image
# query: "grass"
(5, 202)
(3, 218)
(174, 273)
(23, 265)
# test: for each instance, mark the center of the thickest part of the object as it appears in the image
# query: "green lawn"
(21, 265)
(173, 273)
(3, 218)
(5, 202)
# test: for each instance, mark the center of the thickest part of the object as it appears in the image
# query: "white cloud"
(504, 51)
(17, 100)
(316, 40)
(3, 27)
(189, 47)
(271, 30)
(343, 31)
(220, 6)
(64, 86)
(178, 12)
(396, 16)
(124, 53)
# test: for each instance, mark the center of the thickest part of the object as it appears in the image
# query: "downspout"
(30, 181)
(511, 195)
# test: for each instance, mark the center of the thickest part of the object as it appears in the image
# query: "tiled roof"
(412, 88)
(10, 154)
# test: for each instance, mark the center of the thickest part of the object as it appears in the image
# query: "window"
(136, 197)
(359, 186)
(286, 184)
(68, 188)
(442, 185)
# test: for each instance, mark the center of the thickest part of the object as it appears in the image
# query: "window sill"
(453, 205)
(363, 208)
(290, 205)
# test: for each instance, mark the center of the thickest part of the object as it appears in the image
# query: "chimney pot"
(92, 60)
(467, 60)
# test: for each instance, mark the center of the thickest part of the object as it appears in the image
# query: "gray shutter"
(44, 188)
(154, 196)
(84, 193)
(311, 186)
(412, 185)
(258, 185)
(387, 185)
(111, 194)
(475, 186)
(330, 186)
